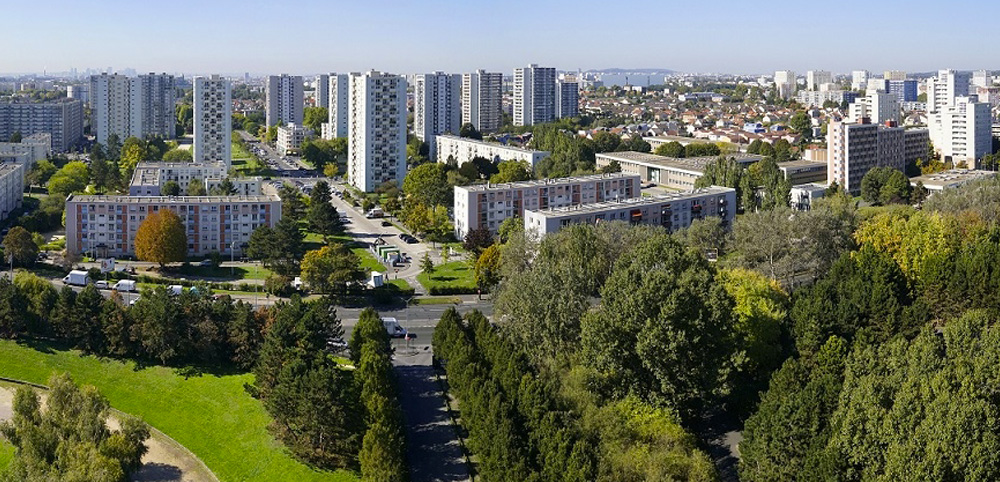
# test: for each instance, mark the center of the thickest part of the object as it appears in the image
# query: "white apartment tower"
(482, 97)
(139, 107)
(322, 93)
(960, 131)
(878, 106)
(816, 78)
(981, 78)
(213, 120)
(285, 99)
(784, 83)
(534, 95)
(859, 79)
(157, 97)
(338, 95)
(437, 107)
(945, 87)
(567, 98)
(377, 130)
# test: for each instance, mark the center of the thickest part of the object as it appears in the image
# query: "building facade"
(213, 120)
(290, 138)
(945, 87)
(437, 107)
(816, 78)
(488, 205)
(784, 83)
(285, 99)
(961, 132)
(149, 178)
(675, 173)
(672, 211)
(904, 90)
(62, 120)
(567, 98)
(819, 97)
(157, 96)
(482, 99)
(133, 107)
(463, 149)
(105, 226)
(338, 101)
(322, 93)
(11, 188)
(877, 106)
(377, 130)
(534, 95)
(855, 148)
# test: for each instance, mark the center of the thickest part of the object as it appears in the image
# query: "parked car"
(101, 285)
(411, 240)
(386, 224)
(205, 262)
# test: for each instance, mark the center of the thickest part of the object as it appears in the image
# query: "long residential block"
(672, 211)
(488, 205)
(672, 172)
(106, 226)
(463, 149)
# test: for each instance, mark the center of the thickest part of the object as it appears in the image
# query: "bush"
(453, 290)
(278, 285)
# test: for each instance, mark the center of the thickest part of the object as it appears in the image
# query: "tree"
(41, 171)
(701, 149)
(178, 155)
(426, 264)
(323, 216)
(885, 185)
(133, 152)
(161, 238)
(314, 117)
(512, 171)
(801, 124)
(19, 245)
(196, 187)
(170, 188)
(612, 167)
(104, 174)
(292, 205)
(476, 240)
(427, 184)
(225, 188)
(663, 331)
(331, 170)
(670, 149)
(72, 177)
(606, 142)
(331, 269)
(488, 268)
(69, 440)
(280, 248)
(468, 130)
(15, 138)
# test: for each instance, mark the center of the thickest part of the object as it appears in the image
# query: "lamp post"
(232, 259)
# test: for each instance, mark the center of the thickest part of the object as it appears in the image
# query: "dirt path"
(166, 460)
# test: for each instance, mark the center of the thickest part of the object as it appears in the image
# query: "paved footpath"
(433, 449)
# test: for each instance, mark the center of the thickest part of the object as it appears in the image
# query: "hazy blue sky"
(311, 36)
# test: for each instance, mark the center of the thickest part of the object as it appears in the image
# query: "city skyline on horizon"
(313, 37)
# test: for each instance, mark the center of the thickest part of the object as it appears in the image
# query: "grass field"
(6, 453)
(210, 415)
(234, 273)
(437, 300)
(453, 274)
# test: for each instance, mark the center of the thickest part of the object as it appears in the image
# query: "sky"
(312, 36)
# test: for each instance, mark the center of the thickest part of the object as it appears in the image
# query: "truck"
(77, 278)
(393, 328)
(374, 213)
(125, 285)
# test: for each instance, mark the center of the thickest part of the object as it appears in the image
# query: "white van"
(125, 285)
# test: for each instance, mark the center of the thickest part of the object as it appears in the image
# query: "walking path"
(434, 451)
(166, 460)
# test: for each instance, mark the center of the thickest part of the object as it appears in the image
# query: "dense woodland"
(846, 343)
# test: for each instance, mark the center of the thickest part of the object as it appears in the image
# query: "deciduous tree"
(161, 238)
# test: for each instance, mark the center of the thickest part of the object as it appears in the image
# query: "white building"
(437, 108)
(377, 134)
(819, 97)
(149, 177)
(133, 107)
(671, 172)
(943, 89)
(960, 131)
(285, 99)
(567, 98)
(859, 79)
(11, 188)
(106, 225)
(951, 179)
(672, 211)
(894, 75)
(80, 92)
(338, 101)
(482, 99)
(981, 78)
(878, 106)
(534, 95)
(488, 205)
(30, 150)
(290, 138)
(322, 93)
(463, 150)
(816, 78)
(213, 120)
(784, 83)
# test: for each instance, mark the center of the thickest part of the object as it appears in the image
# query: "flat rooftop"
(485, 143)
(92, 198)
(692, 164)
(545, 182)
(802, 165)
(633, 202)
(952, 177)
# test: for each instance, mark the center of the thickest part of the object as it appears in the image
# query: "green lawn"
(437, 300)
(237, 273)
(368, 261)
(400, 283)
(250, 167)
(6, 453)
(453, 274)
(210, 415)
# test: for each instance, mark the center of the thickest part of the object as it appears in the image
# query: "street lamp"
(232, 259)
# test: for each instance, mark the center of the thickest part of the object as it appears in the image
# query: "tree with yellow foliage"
(161, 239)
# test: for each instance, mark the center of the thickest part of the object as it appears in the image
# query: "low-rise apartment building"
(149, 178)
(488, 205)
(672, 211)
(290, 138)
(463, 149)
(105, 226)
(672, 172)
